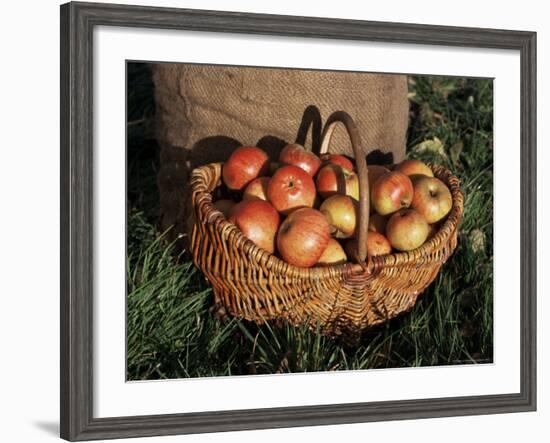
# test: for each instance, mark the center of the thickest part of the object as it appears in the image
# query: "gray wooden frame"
(77, 23)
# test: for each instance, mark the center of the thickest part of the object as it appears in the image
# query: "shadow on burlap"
(204, 112)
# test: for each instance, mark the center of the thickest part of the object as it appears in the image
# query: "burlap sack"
(204, 112)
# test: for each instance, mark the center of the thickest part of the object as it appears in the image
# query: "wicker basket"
(343, 299)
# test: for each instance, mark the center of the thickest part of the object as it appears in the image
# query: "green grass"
(172, 332)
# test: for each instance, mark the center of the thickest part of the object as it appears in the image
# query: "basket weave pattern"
(256, 285)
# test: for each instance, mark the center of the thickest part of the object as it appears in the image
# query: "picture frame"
(77, 213)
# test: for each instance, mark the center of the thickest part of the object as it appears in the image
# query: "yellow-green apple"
(303, 237)
(244, 165)
(257, 220)
(391, 192)
(338, 159)
(415, 177)
(341, 214)
(432, 198)
(414, 167)
(333, 255)
(297, 155)
(291, 188)
(407, 230)
(335, 180)
(377, 223)
(224, 206)
(256, 189)
(377, 244)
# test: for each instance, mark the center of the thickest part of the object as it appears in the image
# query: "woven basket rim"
(374, 264)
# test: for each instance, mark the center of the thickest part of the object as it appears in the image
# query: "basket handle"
(310, 120)
(362, 172)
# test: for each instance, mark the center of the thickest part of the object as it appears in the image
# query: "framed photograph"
(276, 221)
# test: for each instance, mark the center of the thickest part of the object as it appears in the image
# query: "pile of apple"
(304, 208)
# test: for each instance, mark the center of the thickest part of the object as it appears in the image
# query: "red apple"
(258, 220)
(336, 180)
(291, 188)
(337, 159)
(377, 223)
(297, 155)
(391, 192)
(256, 189)
(407, 230)
(432, 198)
(414, 167)
(303, 237)
(224, 206)
(341, 213)
(334, 254)
(244, 165)
(375, 172)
